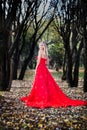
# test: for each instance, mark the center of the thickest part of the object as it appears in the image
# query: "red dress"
(46, 92)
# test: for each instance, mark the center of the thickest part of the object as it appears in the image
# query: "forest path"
(14, 115)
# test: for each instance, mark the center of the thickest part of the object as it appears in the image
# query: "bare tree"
(84, 27)
(15, 19)
(40, 24)
(67, 23)
(8, 11)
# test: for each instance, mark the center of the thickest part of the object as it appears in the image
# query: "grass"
(57, 74)
(81, 74)
(31, 73)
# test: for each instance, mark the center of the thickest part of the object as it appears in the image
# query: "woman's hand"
(47, 61)
(35, 70)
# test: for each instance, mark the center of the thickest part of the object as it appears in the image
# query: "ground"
(16, 116)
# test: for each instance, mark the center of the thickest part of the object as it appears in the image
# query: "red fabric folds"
(45, 91)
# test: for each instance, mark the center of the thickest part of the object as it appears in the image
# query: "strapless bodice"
(43, 60)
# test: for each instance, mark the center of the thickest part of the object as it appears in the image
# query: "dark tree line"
(71, 23)
(16, 17)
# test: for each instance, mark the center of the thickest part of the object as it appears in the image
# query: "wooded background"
(61, 23)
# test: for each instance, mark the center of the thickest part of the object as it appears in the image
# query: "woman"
(45, 91)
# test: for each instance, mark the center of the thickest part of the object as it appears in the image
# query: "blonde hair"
(45, 49)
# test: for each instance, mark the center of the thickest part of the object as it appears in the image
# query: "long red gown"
(45, 91)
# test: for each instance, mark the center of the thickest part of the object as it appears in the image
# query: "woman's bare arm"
(47, 61)
(38, 60)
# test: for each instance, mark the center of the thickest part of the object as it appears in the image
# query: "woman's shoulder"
(42, 56)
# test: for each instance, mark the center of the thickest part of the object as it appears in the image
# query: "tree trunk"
(85, 78)
(69, 71)
(76, 73)
(24, 67)
(26, 62)
(76, 68)
(4, 63)
(64, 67)
(3, 82)
(69, 63)
(85, 63)
(15, 63)
(84, 7)
(10, 74)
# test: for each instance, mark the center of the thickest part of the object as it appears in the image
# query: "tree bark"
(4, 62)
(26, 62)
(85, 62)
(64, 67)
(69, 71)
(69, 64)
(15, 63)
(76, 72)
(84, 25)
(5, 33)
(76, 68)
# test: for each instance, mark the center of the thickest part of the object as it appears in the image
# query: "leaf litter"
(14, 115)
